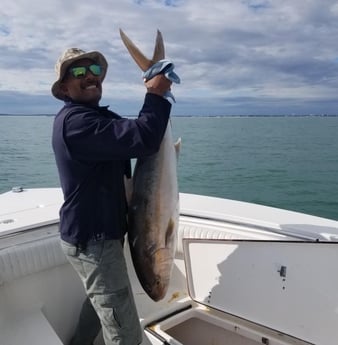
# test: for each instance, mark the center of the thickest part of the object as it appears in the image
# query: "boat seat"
(190, 231)
(30, 257)
(30, 328)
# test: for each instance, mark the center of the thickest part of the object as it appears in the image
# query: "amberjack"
(154, 207)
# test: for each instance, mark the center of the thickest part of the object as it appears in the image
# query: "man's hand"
(158, 85)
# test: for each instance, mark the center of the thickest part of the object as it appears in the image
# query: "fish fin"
(159, 52)
(141, 60)
(170, 231)
(177, 146)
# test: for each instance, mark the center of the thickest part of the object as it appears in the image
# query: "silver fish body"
(154, 207)
(153, 217)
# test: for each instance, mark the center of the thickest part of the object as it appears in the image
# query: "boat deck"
(39, 290)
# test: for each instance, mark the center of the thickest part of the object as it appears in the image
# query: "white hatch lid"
(291, 287)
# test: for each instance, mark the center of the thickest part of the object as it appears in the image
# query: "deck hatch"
(291, 287)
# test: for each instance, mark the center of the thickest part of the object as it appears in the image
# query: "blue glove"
(165, 67)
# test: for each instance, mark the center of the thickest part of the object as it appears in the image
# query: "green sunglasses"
(81, 71)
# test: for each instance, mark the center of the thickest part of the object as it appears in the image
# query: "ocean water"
(286, 162)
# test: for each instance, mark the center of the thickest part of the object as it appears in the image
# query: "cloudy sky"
(233, 56)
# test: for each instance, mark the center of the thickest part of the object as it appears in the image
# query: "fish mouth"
(155, 282)
(157, 290)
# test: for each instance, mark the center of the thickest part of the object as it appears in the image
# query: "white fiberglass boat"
(243, 274)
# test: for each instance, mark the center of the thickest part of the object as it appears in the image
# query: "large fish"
(154, 207)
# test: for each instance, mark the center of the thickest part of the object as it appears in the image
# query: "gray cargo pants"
(110, 303)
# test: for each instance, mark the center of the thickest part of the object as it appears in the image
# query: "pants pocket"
(114, 306)
(118, 315)
(69, 249)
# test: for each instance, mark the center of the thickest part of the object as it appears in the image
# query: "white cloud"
(266, 51)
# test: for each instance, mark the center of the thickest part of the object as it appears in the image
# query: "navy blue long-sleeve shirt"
(93, 147)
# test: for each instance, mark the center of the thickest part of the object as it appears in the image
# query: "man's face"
(85, 88)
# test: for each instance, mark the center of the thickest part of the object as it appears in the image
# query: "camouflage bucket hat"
(68, 58)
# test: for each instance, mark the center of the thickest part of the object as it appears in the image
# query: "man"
(93, 147)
